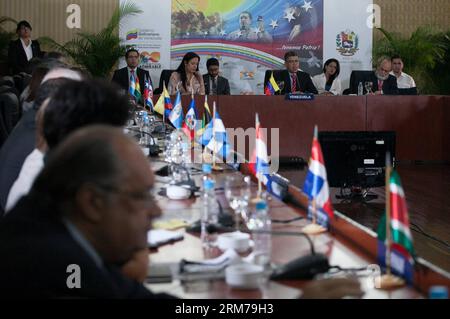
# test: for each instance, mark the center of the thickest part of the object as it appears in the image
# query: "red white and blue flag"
(316, 184)
(259, 164)
(148, 94)
(190, 121)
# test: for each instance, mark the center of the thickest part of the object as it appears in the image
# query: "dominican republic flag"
(215, 138)
(190, 121)
(148, 94)
(316, 184)
(402, 251)
(271, 86)
(176, 115)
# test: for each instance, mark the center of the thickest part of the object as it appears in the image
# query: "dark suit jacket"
(17, 57)
(389, 85)
(121, 77)
(35, 251)
(17, 147)
(304, 82)
(223, 87)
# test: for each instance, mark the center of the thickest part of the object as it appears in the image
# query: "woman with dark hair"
(328, 83)
(187, 79)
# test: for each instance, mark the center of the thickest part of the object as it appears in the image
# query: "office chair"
(356, 77)
(165, 77)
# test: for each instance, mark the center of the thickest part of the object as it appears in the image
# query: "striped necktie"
(293, 82)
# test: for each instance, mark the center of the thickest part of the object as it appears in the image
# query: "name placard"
(299, 97)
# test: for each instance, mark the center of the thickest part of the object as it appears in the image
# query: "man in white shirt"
(404, 81)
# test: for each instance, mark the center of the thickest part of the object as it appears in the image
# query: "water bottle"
(260, 221)
(146, 138)
(210, 216)
(360, 89)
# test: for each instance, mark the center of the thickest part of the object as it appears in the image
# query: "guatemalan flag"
(215, 138)
(271, 86)
(190, 121)
(176, 115)
(316, 184)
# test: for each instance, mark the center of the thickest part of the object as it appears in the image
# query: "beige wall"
(48, 17)
(404, 16)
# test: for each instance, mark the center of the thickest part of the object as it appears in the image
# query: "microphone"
(154, 149)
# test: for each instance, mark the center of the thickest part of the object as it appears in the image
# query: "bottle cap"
(208, 184)
(206, 168)
(261, 205)
(438, 292)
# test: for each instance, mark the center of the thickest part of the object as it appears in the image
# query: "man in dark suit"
(22, 50)
(292, 80)
(214, 83)
(122, 76)
(86, 216)
(382, 81)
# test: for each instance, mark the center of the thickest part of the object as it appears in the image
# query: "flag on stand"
(259, 164)
(316, 184)
(190, 121)
(402, 251)
(215, 138)
(148, 94)
(176, 114)
(271, 86)
(206, 118)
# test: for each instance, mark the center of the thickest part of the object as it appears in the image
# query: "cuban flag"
(176, 115)
(215, 138)
(148, 94)
(271, 86)
(316, 184)
(190, 121)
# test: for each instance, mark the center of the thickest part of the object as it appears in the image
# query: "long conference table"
(422, 124)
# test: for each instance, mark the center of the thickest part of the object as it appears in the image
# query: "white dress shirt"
(404, 81)
(27, 48)
(320, 80)
(31, 167)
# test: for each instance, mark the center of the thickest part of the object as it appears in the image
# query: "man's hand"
(137, 267)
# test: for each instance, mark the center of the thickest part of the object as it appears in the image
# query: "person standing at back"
(214, 83)
(404, 81)
(22, 50)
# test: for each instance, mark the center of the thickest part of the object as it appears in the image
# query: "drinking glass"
(368, 86)
(237, 192)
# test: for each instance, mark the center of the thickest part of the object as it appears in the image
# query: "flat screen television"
(357, 158)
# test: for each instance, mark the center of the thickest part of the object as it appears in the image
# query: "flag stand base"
(388, 282)
(313, 229)
(217, 168)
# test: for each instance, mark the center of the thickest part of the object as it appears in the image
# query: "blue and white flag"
(176, 115)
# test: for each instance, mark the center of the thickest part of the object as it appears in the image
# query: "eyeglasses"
(145, 196)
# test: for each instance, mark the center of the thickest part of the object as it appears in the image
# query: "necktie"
(214, 86)
(293, 82)
(380, 85)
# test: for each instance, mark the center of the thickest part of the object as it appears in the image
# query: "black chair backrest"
(9, 113)
(165, 76)
(7, 80)
(358, 76)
